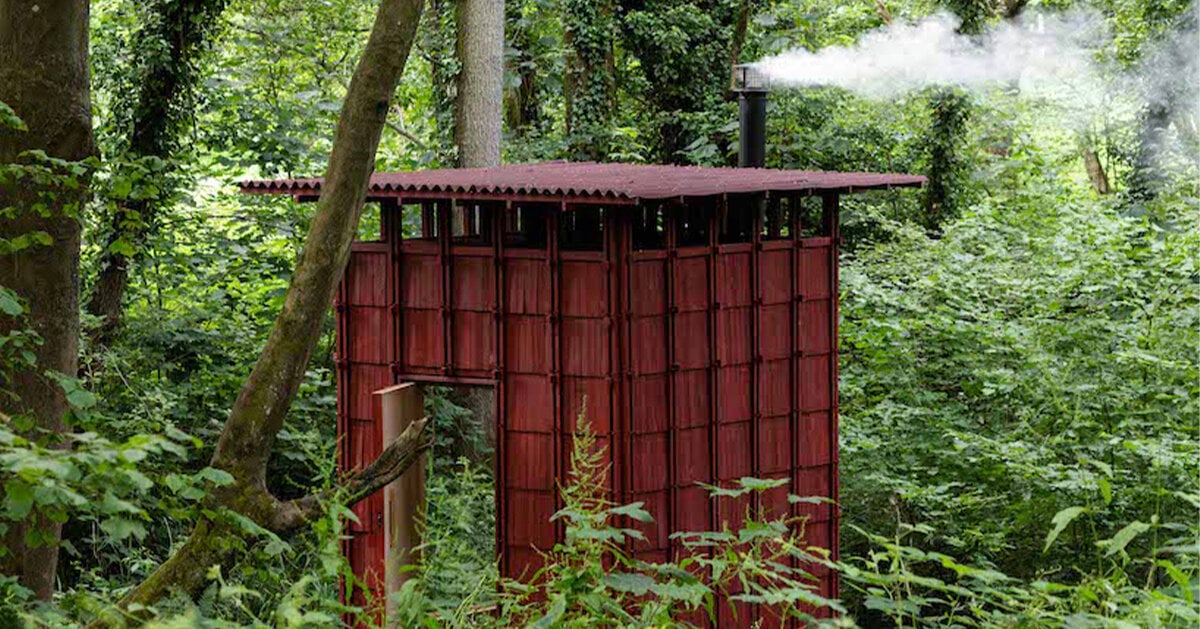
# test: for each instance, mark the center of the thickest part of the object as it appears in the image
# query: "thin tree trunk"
(259, 412)
(884, 13)
(1095, 171)
(522, 109)
(950, 111)
(438, 42)
(1146, 179)
(479, 106)
(176, 32)
(739, 38)
(44, 79)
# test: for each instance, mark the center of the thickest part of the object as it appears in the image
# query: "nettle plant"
(592, 579)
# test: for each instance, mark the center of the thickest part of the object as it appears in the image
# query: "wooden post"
(403, 499)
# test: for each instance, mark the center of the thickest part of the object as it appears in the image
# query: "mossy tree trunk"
(589, 79)
(149, 122)
(44, 79)
(259, 412)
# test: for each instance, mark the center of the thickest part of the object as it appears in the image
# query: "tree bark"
(44, 79)
(950, 112)
(214, 541)
(522, 110)
(259, 412)
(735, 45)
(479, 106)
(1095, 171)
(589, 81)
(175, 34)
(1146, 178)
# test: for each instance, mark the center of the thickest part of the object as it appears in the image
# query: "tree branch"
(401, 131)
(396, 458)
(884, 13)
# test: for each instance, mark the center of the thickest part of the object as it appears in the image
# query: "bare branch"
(395, 459)
(401, 131)
(884, 13)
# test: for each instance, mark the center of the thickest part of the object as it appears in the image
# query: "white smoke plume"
(1038, 50)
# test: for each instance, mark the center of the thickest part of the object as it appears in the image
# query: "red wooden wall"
(699, 362)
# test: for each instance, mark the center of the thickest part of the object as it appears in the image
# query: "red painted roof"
(628, 182)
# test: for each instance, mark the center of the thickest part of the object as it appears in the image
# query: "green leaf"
(1105, 490)
(760, 484)
(9, 303)
(1061, 520)
(1193, 499)
(557, 609)
(122, 247)
(122, 528)
(121, 187)
(633, 583)
(1123, 537)
(633, 510)
(1179, 577)
(18, 499)
(215, 476)
(10, 119)
(77, 396)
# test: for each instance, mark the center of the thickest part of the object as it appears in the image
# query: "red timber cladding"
(536, 323)
(731, 372)
(698, 364)
(364, 330)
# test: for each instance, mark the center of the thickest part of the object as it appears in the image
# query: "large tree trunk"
(479, 106)
(258, 414)
(175, 33)
(44, 79)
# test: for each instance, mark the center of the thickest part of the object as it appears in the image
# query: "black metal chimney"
(751, 86)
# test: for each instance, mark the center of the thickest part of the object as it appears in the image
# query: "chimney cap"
(748, 77)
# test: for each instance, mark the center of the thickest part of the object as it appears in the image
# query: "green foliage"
(951, 110)
(588, 32)
(1019, 393)
(593, 579)
(1035, 360)
(458, 545)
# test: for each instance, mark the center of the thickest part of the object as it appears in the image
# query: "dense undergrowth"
(1020, 385)
(1019, 447)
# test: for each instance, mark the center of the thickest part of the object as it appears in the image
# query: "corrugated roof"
(584, 180)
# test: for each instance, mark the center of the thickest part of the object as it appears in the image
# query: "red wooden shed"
(694, 309)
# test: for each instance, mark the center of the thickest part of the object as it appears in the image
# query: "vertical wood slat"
(394, 228)
(617, 245)
(794, 400)
(445, 212)
(499, 416)
(625, 445)
(341, 372)
(757, 368)
(830, 208)
(554, 261)
(672, 372)
(714, 370)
